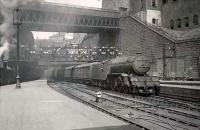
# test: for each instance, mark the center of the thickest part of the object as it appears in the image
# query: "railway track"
(149, 105)
(173, 102)
(178, 97)
(75, 96)
(159, 105)
(145, 113)
(157, 100)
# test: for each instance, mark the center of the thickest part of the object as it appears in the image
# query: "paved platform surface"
(192, 87)
(38, 107)
(179, 82)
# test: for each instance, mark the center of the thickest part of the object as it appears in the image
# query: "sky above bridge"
(86, 3)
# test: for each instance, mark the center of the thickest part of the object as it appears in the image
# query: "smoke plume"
(7, 29)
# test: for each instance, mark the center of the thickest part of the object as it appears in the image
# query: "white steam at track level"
(7, 30)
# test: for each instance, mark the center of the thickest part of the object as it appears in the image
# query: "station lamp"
(17, 20)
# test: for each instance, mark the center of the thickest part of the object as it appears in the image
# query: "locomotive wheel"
(130, 90)
(112, 86)
(105, 85)
(125, 88)
(119, 88)
(99, 84)
(134, 91)
(119, 85)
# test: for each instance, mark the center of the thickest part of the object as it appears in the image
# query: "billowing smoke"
(7, 29)
(4, 50)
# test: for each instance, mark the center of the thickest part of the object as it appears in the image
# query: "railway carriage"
(68, 73)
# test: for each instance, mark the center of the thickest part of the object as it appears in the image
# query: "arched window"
(187, 21)
(179, 23)
(195, 20)
(172, 24)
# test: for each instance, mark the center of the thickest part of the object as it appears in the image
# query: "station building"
(146, 29)
(180, 14)
(147, 11)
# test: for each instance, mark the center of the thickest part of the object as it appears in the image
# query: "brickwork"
(180, 9)
(136, 37)
(188, 49)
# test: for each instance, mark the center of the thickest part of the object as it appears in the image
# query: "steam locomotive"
(126, 74)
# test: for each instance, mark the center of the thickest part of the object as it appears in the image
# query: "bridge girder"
(52, 20)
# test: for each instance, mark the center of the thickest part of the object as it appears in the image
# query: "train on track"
(127, 74)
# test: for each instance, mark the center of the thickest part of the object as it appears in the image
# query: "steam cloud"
(7, 30)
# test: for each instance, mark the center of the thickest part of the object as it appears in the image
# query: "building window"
(132, 7)
(179, 23)
(172, 24)
(142, 5)
(165, 1)
(155, 21)
(195, 20)
(187, 21)
(154, 3)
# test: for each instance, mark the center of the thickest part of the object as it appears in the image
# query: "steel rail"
(146, 111)
(103, 110)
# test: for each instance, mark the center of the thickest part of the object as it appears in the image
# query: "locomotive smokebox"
(131, 65)
(142, 64)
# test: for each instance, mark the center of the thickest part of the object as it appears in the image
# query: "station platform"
(186, 90)
(38, 107)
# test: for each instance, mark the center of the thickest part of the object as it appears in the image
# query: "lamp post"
(17, 20)
(164, 61)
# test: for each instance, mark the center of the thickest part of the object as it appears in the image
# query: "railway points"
(37, 107)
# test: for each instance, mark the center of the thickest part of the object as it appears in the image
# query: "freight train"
(127, 74)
